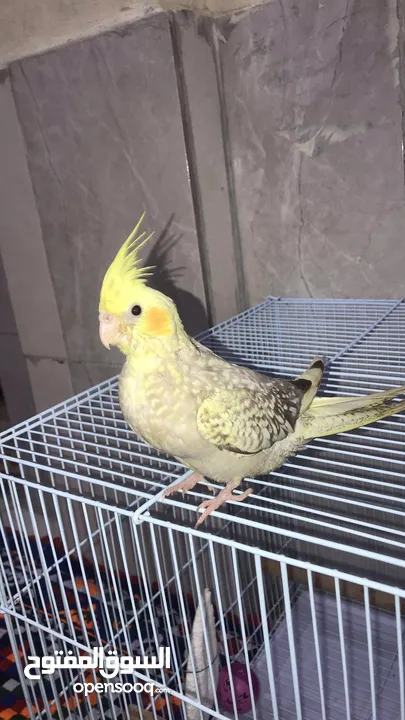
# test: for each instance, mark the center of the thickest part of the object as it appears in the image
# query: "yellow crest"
(124, 273)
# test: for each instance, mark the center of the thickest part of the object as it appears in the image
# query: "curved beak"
(109, 329)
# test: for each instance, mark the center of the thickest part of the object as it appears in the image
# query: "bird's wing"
(247, 420)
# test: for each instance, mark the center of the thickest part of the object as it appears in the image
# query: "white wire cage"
(306, 576)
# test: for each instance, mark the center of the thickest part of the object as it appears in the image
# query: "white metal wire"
(82, 516)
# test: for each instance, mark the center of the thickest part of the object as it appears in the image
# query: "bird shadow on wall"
(165, 279)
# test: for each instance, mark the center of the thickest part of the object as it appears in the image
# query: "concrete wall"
(266, 147)
(16, 401)
(104, 142)
(312, 94)
(30, 27)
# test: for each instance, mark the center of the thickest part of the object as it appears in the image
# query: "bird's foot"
(223, 496)
(185, 485)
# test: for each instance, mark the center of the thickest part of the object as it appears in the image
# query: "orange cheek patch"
(157, 322)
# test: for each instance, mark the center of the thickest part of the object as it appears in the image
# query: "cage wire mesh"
(306, 577)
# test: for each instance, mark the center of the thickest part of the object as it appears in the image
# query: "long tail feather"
(327, 405)
(327, 416)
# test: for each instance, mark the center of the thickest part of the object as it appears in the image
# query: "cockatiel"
(222, 421)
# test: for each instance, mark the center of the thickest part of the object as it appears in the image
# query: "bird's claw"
(204, 504)
(211, 505)
(184, 485)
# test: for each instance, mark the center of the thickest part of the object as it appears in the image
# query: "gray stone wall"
(104, 142)
(312, 94)
(265, 147)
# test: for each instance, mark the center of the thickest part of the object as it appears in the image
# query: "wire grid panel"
(78, 476)
(342, 629)
(370, 636)
(283, 336)
(251, 629)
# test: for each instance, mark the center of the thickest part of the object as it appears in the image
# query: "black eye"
(136, 310)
